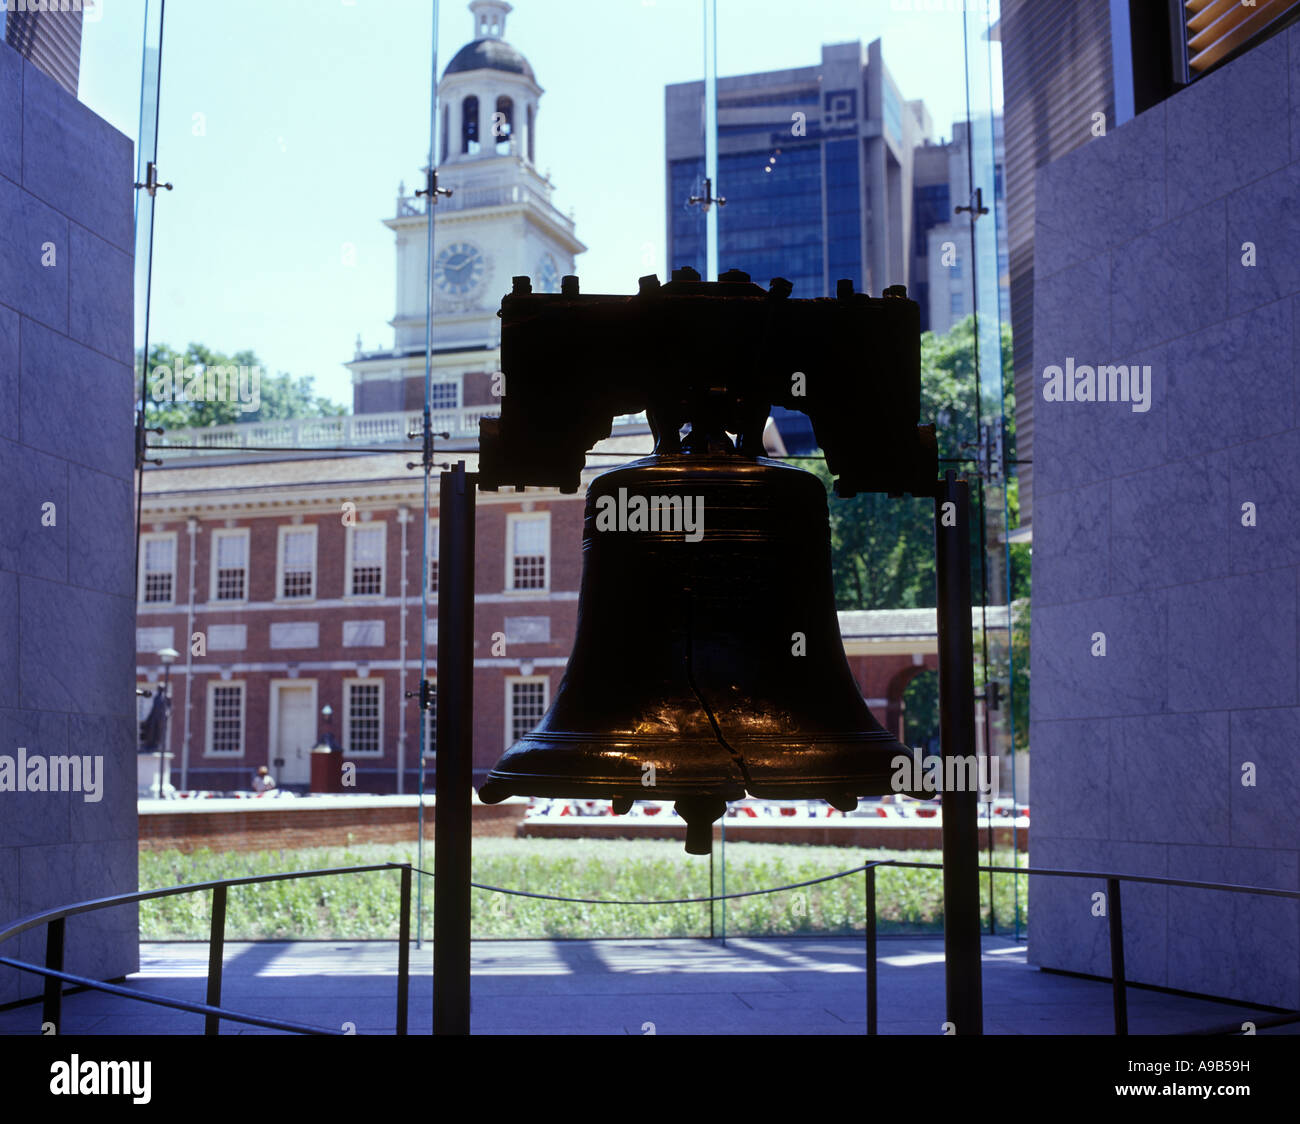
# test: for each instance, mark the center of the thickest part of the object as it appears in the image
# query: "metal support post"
(454, 773)
(961, 891)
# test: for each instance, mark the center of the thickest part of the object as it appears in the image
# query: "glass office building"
(816, 165)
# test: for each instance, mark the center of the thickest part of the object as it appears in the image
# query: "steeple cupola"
(489, 94)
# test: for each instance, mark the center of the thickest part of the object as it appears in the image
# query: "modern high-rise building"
(942, 279)
(816, 165)
(828, 173)
(48, 34)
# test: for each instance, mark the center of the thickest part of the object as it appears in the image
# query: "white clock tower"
(497, 223)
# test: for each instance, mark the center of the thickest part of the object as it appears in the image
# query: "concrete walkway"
(752, 986)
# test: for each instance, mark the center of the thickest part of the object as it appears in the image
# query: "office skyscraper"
(815, 164)
(828, 173)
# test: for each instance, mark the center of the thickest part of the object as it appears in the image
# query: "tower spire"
(490, 18)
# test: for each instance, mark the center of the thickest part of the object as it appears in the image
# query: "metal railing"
(470, 198)
(55, 920)
(347, 430)
(1115, 918)
(213, 1012)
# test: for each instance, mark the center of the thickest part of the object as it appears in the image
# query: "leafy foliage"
(882, 549)
(365, 905)
(280, 396)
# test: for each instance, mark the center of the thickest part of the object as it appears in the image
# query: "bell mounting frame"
(714, 356)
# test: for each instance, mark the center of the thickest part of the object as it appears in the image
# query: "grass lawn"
(352, 907)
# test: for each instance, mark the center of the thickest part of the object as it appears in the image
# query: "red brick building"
(291, 585)
(291, 582)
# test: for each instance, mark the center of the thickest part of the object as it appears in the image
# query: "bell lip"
(501, 785)
(688, 460)
(815, 788)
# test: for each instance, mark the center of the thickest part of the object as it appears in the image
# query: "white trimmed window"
(528, 550)
(154, 639)
(528, 630)
(526, 702)
(296, 563)
(366, 546)
(444, 395)
(225, 720)
(230, 565)
(433, 555)
(158, 573)
(363, 718)
(227, 637)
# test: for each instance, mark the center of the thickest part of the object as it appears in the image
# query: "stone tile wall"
(67, 604)
(1141, 535)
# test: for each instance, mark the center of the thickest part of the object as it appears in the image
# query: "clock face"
(548, 275)
(459, 269)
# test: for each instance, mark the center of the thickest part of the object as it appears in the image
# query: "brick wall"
(261, 667)
(288, 828)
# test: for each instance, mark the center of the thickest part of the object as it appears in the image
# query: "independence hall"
(282, 561)
(291, 583)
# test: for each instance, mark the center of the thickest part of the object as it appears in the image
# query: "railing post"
(52, 1009)
(216, 957)
(712, 903)
(871, 949)
(722, 862)
(1115, 913)
(404, 949)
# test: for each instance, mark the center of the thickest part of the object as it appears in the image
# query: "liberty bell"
(708, 662)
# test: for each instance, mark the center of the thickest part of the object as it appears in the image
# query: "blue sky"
(313, 110)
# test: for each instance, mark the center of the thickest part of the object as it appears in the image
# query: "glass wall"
(312, 301)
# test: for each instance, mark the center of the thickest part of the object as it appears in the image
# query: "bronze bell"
(708, 662)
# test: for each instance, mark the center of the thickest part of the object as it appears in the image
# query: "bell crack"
(736, 756)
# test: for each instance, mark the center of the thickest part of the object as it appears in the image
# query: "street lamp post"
(168, 656)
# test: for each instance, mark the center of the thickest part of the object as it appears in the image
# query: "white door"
(295, 734)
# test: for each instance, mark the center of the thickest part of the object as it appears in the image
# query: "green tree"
(277, 396)
(1021, 555)
(921, 709)
(882, 548)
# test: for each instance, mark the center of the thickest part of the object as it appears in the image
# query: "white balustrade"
(351, 430)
